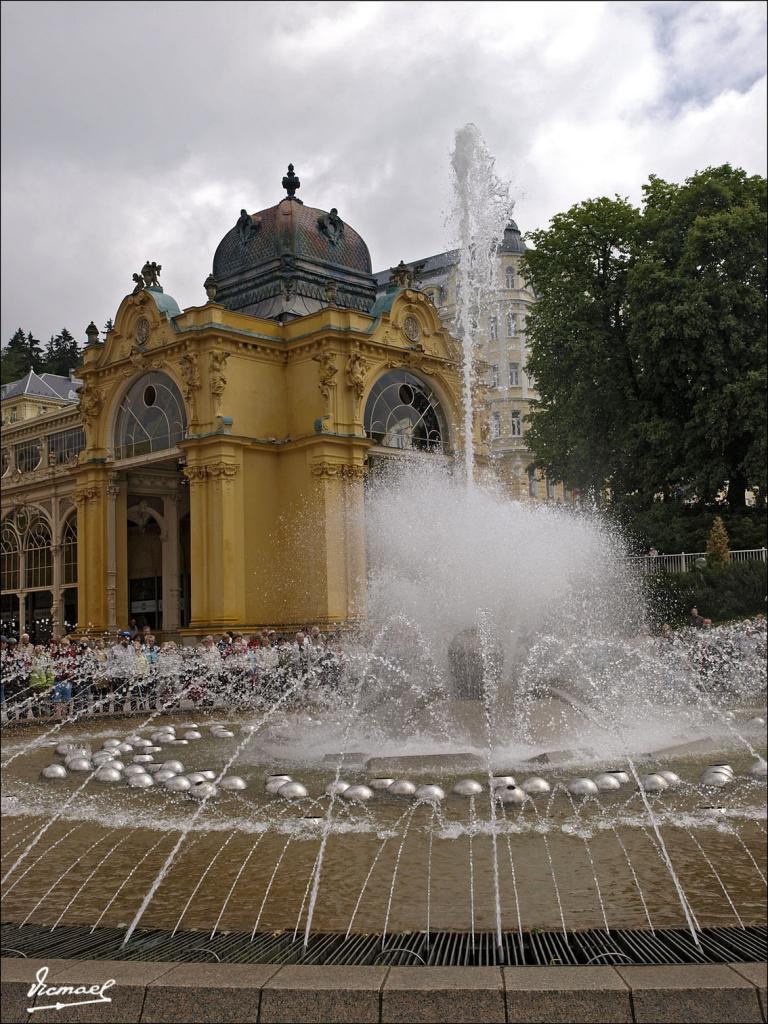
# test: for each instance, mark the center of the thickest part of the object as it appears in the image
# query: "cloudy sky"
(136, 131)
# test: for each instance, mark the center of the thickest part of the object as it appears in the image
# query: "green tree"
(61, 354)
(718, 549)
(578, 344)
(698, 299)
(647, 342)
(14, 360)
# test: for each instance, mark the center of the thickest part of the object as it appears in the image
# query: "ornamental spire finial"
(291, 182)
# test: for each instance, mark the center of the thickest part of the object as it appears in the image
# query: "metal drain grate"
(441, 949)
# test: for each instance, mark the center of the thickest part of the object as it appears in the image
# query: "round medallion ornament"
(142, 330)
(412, 328)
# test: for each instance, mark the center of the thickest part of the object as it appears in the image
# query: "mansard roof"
(43, 385)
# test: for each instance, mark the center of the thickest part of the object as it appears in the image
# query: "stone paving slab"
(444, 995)
(319, 994)
(758, 975)
(566, 994)
(691, 993)
(167, 991)
(131, 978)
(17, 974)
(219, 993)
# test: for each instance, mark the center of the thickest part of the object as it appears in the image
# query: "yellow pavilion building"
(206, 468)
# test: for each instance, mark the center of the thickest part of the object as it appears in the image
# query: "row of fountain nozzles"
(505, 788)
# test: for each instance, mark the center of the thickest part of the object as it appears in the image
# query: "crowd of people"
(132, 671)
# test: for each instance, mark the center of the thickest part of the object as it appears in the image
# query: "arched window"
(403, 412)
(151, 417)
(69, 550)
(510, 277)
(511, 323)
(6, 461)
(38, 557)
(9, 557)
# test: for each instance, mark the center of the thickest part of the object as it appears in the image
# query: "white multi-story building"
(502, 347)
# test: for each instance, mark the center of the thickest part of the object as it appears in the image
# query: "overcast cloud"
(136, 131)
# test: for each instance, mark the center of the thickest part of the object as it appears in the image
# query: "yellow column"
(226, 542)
(92, 553)
(338, 586)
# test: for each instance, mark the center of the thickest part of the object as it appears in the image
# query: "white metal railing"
(686, 560)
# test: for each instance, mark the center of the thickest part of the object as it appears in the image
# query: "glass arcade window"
(9, 557)
(403, 412)
(38, 554)
(151, 417)
(66, 445)
(69, 550)
(28, 455)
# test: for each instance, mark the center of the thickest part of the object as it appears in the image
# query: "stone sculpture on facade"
(356, 370)
(217, 376)
(328, 371)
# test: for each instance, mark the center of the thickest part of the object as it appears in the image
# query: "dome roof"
(291, 260)
(512, 240)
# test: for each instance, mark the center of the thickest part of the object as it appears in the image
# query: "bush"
(735, 591)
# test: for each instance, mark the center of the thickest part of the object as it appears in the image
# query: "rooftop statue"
(138, 281)
(332, 226)
(401, 275)
(210, 286)
(151, 274)
(245, 227)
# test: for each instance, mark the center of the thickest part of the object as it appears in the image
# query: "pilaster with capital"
(170, 541)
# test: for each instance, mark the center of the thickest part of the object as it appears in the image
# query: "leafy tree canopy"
(648, 340)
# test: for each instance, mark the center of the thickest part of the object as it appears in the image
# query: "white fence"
(685, 561)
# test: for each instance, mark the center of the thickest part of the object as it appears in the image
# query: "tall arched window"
(38, 557)
(403, 412)
(10, 550)
(69, 550)
(151, 417)
(510, 277)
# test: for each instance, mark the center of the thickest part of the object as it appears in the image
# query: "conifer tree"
(718, 548)
(62, 354)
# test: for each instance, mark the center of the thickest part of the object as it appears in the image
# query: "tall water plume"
(481, 209)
